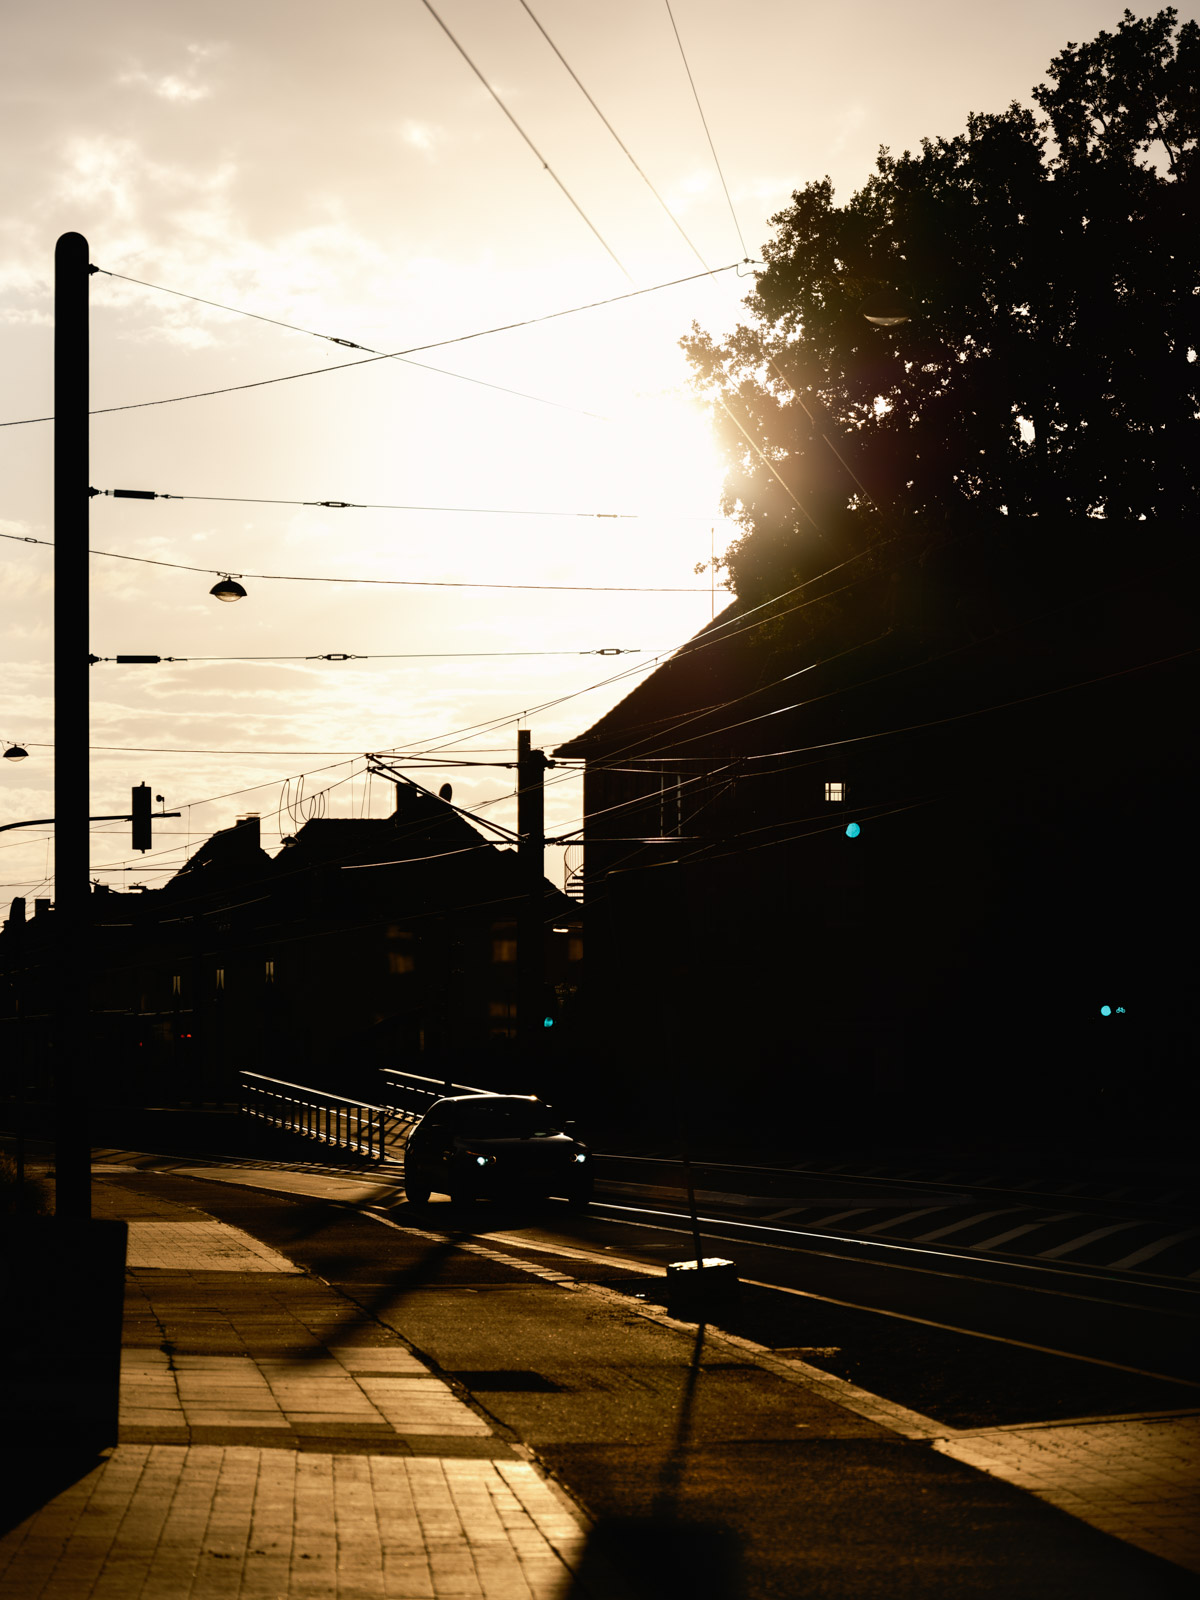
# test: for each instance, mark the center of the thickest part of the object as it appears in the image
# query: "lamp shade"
(15, 752)
(887, 310)
(228, 589)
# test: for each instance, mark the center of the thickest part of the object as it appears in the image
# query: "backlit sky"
(342, 169)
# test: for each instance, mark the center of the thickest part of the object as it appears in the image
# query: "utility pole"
(70, 1043)
(531, 918)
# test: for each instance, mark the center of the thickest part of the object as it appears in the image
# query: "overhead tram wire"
(575, 203)
(372, 655)
(398, 753)
(704, 121)
(708, 271)
(736, 421)
(368, 505)
(370, 360)
(401, 583)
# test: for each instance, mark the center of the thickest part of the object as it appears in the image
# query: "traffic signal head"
(140, 816)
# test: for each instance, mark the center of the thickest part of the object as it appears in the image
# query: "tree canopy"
(1050, 267)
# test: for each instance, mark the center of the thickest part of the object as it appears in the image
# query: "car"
(474, 1146)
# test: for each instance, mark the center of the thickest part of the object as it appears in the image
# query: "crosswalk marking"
(892, 1222)
(1148, 1250)
(1026, 1227)
(956, 1227)
(1085, 1238)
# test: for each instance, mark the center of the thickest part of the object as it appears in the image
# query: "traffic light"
(140, 816)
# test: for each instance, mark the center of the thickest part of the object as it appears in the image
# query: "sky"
(344, 170)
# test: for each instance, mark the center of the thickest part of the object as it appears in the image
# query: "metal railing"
(329, 1119)
(413, 1094)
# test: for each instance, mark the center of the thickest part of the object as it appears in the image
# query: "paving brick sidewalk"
(276, 1443)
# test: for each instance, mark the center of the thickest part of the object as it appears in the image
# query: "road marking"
(894, 1222)
(966, 1222)
(973, 1333)
(1085, 1238)
(1026, 1227)
(1148, 1250)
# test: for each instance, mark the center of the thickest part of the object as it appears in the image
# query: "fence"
(413, 1094)
(329, 1119)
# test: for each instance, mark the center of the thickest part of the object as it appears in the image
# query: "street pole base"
(698, 1290)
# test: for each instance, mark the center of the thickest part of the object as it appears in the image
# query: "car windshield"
(505, 1119)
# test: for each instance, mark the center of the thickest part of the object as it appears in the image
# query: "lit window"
(835, 791)
(574, 949)
(220, 977)
(400, 961)
(500, 1008)
(504, 949)
(268, 972)
(176, 983)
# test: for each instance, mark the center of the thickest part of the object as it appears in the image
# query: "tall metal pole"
(71, 797)
(531, 918)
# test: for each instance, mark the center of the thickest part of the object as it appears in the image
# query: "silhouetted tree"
(1049, 368)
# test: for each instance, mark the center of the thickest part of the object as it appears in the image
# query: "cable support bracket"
(336, 655)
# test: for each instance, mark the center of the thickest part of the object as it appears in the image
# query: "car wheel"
(417, 1194)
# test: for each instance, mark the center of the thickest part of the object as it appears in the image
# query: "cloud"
(177, 88)
(422, 136)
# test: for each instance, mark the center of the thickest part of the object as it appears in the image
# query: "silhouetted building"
(363, 943)
(885, 851)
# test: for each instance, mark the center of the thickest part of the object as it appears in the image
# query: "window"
(268, 972)
(220, 977)
(574, 948)
(504, 941)
(400, 961)
(177, 983)
(835, 791)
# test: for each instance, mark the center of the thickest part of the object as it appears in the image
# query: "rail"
(330, 1119)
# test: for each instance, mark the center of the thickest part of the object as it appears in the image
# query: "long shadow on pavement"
(664, 1553)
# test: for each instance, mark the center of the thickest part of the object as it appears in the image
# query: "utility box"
(62, 1298)
(699, 1290)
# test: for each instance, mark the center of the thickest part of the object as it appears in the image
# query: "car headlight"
(480, 1159)
(580, 1155)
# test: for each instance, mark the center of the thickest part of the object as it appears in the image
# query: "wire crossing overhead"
(387, 355)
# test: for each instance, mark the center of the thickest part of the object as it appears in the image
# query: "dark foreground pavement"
(702, 1464)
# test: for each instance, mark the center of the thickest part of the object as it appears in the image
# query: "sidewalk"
(281, 1438)
(302, 1453)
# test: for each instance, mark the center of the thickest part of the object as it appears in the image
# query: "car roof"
(482, 1099)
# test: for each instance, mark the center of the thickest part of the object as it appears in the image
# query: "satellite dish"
(446, 792)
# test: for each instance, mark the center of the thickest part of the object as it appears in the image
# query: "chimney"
(17, 911)
(40, 907)
(250, 823)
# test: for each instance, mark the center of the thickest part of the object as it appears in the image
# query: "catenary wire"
(704, 120)
(624, 147)
(395, 583)
(391, 355)
(406, 655)
(356, 505)
(462, 52)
